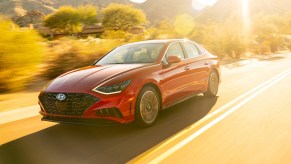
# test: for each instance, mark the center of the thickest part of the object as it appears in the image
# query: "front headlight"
(111, 89)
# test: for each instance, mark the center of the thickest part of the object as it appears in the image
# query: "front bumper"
(86, 121)
(87, 108)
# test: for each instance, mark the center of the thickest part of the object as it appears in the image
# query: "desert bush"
(115, 34)
(162, 30)
(20, 55)
(122, 17)
(267, 44)
(224, 39)
(67, 54)
(269, 31)
(287, 42)
(69, 20)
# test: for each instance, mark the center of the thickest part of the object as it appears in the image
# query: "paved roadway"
(248, 122)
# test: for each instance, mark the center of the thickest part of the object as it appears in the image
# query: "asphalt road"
(234, 127)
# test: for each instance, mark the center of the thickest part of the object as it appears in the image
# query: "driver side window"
(175, 50)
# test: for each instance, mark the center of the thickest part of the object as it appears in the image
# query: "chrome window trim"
(168, 49)
(196, 48)
(199, 47)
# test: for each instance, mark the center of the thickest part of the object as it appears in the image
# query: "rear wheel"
(147, 107)
(213, 83)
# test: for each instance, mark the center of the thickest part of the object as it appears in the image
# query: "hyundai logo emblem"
(61, 96)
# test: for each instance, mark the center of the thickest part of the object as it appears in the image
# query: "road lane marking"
(151, 151)
(18, 114)
(215, 121)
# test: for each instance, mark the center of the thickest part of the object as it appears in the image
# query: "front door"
(176, 82)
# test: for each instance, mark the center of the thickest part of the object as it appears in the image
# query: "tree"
(87, 14)
(122, 17)
(20, 55)
(162, 30)
(234, 37)
(71, 20)
(211, 36)
(224, 39)
(287, 25)
(268, 31)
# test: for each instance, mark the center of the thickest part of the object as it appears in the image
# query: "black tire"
(147, 107)
(213, 83)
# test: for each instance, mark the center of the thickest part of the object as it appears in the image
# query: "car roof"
(158, 41)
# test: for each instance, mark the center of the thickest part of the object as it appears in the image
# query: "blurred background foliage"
(122, 17)
(21, 53)
(69, 20)
(24, 54)
(67, 54)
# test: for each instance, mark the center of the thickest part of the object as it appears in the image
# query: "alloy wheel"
(213, 83)
(149, 106)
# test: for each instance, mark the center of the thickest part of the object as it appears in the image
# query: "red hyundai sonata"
(133, 82)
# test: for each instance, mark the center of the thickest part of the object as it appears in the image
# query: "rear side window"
(200, 48)
(175, 50)
(191, 49)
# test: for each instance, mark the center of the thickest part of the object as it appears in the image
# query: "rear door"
(198, 67)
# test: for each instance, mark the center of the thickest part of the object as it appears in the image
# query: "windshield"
(132, 54)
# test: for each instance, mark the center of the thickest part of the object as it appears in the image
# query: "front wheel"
(213, 83)
(147, 107)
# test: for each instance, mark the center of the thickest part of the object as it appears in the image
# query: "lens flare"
(184, 24)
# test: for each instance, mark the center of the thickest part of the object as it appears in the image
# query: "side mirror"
(173, 59)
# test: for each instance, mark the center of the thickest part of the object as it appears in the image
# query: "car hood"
(87, 78)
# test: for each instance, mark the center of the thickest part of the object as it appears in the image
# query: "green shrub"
(115, 34)
(20, 55)
(122, 17)
(69, 20)
(224, 39)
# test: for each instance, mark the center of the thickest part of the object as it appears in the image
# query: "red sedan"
(133, 82)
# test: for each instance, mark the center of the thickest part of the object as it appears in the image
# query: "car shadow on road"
(64, 143)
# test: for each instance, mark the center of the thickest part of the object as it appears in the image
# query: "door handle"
(206, 63)
(187, 68)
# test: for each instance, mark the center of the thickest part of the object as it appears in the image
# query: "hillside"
(155, 9)
(226, 8)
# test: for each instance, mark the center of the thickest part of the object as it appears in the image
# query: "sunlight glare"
(201, 4)
(245, 15)
(138, 1)
(208, 2)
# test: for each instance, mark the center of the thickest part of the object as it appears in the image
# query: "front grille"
(109, 112)
(74, 104)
